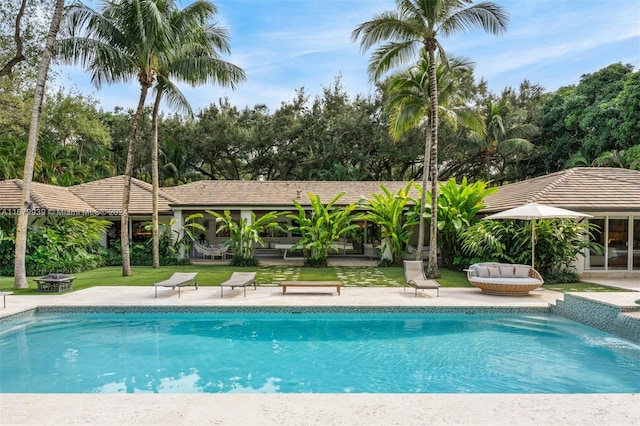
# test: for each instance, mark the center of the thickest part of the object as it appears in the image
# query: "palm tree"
(409, 102)
(20, 274)
(128, 39)
(415, 26)
(194, 60)
(504, 133)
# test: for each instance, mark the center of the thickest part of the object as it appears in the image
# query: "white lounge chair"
(239, 279)
(178, 279)
(415, 277)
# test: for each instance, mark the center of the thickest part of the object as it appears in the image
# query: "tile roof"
(584, 189)
(268, 194)
(45, 198)
(106, 196)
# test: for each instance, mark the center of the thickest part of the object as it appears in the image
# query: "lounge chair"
(239, 279)
(415, 277)
(178, 279)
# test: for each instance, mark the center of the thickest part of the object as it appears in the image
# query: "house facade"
(611, 196)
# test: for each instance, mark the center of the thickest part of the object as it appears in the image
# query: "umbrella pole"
(533, 242)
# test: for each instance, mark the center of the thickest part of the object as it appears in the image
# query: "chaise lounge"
(239, 279)
(178, 279)
(415, 277)
(504, 279)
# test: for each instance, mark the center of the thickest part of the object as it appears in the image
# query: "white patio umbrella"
(532, 212)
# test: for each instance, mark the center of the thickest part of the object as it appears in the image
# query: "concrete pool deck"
(312, 409)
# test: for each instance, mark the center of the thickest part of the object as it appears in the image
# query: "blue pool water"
(312, 352)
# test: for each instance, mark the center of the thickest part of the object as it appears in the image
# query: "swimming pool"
(300, 352)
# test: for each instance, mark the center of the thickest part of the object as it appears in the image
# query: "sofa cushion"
(506, 271)
(508, 281)
(494, 272)
(482, 271)
(521, 272)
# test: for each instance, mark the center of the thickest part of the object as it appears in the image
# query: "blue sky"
(284, 45)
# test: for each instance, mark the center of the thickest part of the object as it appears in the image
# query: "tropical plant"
(496, 240)
(558, 243)
(322, 227)
(174, 242)
(457, 208)
(409, 103)
(20, 276)
(244, 235)
(504, 133)
(416, 26)
(394, 214)
(627, 159)
(55, 244)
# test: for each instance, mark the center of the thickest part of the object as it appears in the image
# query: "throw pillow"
(494, 272)
(521, 272)
(506, 271)
(483, 272)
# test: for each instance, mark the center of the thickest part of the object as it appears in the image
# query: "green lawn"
(211, 275)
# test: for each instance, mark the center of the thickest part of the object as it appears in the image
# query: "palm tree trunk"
(126, 192)
(20, 272)
(423, 199)
(432, 269)
(155, 181)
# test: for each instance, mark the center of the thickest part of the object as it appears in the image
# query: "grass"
(577, 287)
(212, 275)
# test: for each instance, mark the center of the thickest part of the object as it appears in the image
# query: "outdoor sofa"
(504, 279)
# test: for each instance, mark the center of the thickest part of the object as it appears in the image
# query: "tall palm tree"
(128, 39)
(195, 60)
(409, 103)
(20, 270)
(415, 26)
(503, 133)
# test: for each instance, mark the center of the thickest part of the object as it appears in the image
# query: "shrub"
(458, 205)
(244, 235)
(558, 243)
(396, 219)
(324, 225)
(54, 244)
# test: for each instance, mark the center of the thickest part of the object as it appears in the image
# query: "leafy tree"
(588, 119)
(74, 143)
(418, 25)
(320, 228)
(22, 38)
(396, 218)
(627, 130)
